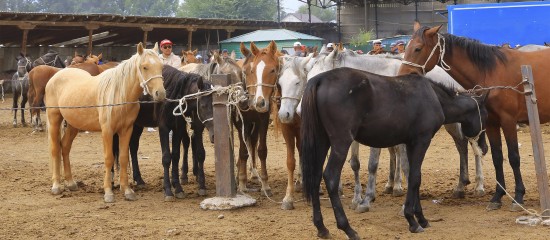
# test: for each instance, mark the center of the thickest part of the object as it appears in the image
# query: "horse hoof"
(458, 194)
(516, 207)
(419, 229)
(397, 193)
(425, 225)
(402, 211)
(130, 196)
(140, 186)
(494, 206)
(267, 192)
(56, 191)
(202, 192)
(73, 186)
(324, 234)
(479, 193)
(169, 198)
(362, 208)
(109, 198)
(388, 190)
(353, 205)
(184, 180)
(287, 205)
(180, 195)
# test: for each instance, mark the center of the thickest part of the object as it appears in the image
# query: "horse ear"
(340, 46)
(233, 55)
(304, 61)
(272, 47)
(140, 48)
(416, 26)
(315, 48)
(195, 52)
(217, 58)
(254, 49)
(244, 50)
(100, 56)
(156, 48)
(434, 30)
(331, 55)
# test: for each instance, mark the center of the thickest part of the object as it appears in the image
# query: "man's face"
(225, 54)
(377, 46)
(166, 49)
(401, 47)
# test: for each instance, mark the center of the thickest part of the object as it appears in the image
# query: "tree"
(362, 38)
(326, 15)
(229, 9)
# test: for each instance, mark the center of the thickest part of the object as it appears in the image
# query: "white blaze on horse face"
(259, 80)
(290, 92)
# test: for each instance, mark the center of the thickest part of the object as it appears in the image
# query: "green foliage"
(229, 9)
(361, 38)
(326, 15)
(161, 8)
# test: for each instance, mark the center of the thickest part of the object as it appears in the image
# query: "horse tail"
(314, 143)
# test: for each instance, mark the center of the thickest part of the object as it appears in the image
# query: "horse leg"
(493, 133)
(388, 189)
(262, 154)
(164, 135)
(124, 137)
(23, 103)
(175, 160)
(15, 105)
(134, 147)
(185, 164)
(416, 152)
(199, 156)
(510, 134)
(54, 137)
(480, 189)
(331, 175)
(370, 192)
(400, 152)
(241, 164)
(109, 196)
(355, 166)
(461, 144)
(288, 201)
(66, 144)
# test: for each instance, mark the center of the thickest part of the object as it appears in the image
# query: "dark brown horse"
(38, 78)
(473, 64)
(345, 105)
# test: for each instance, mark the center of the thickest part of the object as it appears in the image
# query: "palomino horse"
(189, 57)
(345, 105)
(19, 85)
(38, 78)
(141, 74)
(261, 69)
(389, 66)
(199, 110)
(473, 64)
(218, 65)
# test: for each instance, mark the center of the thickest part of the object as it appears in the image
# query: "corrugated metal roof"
(270, 34)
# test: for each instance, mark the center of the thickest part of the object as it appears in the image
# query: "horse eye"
(298, 83)
(417, 49)
(272, 70)
(144, 68)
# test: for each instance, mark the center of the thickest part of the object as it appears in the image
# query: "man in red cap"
(167, 56)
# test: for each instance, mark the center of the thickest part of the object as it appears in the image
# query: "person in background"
(393, 48)
(225, 53)
(330, 47)
(167, 56)
(377, 48)
(359, 51)
(199, 57)
(298, 49)
(400, 46)
(284, 52)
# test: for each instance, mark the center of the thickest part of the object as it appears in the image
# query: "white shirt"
(171, 60)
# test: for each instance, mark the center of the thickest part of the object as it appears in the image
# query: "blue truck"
(498, 23)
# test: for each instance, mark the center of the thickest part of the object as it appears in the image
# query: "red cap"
(165, 41)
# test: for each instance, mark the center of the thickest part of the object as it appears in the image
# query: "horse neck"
(455, 108)
(464, 71)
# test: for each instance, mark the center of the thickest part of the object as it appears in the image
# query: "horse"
(160, 114)
(189, 57)
(38, 78)
(387, 65)
(122, 85)
(218, 65)
(20, 85)
(51, 58)
(473, 64)
(261, 68)
(345, 105)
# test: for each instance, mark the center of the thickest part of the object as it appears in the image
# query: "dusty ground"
(29, 211)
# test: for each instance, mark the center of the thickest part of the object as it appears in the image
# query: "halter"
(144, 82)
(301, 74)
(441, 45)
(274, 86)
(50, 63)
(26, 64)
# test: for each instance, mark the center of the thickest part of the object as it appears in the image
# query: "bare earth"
(29, 211)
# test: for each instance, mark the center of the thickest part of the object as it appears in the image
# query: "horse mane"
(483, 56)
(113, 82)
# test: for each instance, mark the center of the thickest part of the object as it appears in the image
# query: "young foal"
(345, 105)
(19, 86)
(141, 74)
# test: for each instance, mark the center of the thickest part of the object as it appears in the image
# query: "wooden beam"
(190, 37)
(25, 27)
(146, 30)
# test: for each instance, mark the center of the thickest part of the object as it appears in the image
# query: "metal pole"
(376, 17)
(536, 138)
(279, 12)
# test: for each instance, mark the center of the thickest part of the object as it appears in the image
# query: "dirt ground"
(29, 211)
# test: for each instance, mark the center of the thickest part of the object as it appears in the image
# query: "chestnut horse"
(473, 64)
(189, 57)
(141, 74)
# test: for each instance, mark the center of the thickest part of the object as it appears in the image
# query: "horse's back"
(91, 68)
(190, 67)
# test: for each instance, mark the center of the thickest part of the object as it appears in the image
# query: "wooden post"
(229, 31)
(90, 28)
(223, 150)
(146, 31)
(190, 37)
(25, 27)
(536, 137)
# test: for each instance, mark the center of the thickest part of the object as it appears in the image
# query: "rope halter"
(441, 45)
(144, 82)
(473, 140)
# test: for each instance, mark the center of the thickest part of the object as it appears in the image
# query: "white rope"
(473, 140)
(441, 45)
(532, 212)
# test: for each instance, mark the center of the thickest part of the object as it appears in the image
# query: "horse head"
(292, 82)
(24, 64)
(150, 72)
(227, 66)
(261, 83)
(189, 57)
(94, 59)
(205, 110)
(51, 58)
(324, 62)
(423, 51)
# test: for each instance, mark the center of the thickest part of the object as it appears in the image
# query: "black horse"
(199, 110)
(343, 105)
(51, 58)
(20, 86)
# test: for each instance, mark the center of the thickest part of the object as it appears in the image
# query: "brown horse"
(38, 78)
(141, 74)
(189, 57)
(473, 64)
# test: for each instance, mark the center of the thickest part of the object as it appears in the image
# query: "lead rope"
(473, 140)
(441, 45)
